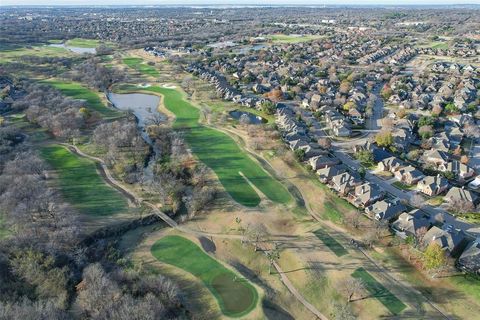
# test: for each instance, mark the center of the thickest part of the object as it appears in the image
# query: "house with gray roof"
(408, 223)
(461, 194)
(326, 174)
(469, 261)
(451, 240)
(366, 194)
(432, 185)
(385, 210)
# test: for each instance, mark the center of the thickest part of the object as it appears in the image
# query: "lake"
(74, 49)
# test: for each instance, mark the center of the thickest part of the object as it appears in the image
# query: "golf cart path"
(172, 223)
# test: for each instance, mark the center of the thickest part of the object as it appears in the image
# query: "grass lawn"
(331, 243)
(331, 213)
(235, 295)
(77, 91)
(40, 51)
(83, 43)
(402, 186)
(81, 185)
(292, 38)
(222, 154)
(377, 290)
(139, 65)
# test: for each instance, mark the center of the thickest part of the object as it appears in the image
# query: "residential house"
(408, 223)
(433, 185)
(460, 194)
(452, 240)
(326, 174)
(461, 171)
(366, 194)
(320, 162)
(344, 182)
(391, 164)
(408, 175)
(385, 210)
(470, 259)
(436, 158)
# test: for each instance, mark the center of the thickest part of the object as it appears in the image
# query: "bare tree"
(420, 237)
(417, 200)
(350, 287)
(273, 255)
(257, 234)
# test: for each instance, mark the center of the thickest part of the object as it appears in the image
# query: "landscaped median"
(222, 154)
(235, 295)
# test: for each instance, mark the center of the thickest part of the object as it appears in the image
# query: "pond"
(74, 49)
(144, 107)
(247, 117)
(254, 47)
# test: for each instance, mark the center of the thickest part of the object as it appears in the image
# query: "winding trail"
(104, 171)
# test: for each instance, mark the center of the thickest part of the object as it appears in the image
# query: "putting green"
(235, 295)
(81, 185)
(77, 91)
(222, 154)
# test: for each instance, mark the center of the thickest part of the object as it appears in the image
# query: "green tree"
(434, 257)
(299, 154)
(365, 157)
(384, 139)
(425, 121)
(451, 108)
(268, 107)
(349, 105)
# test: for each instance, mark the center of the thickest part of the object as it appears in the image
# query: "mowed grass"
(81, 185)
(83, 43)
(222, 154)
(139, 65)
(377, 290)
(77, 91)
(331, 243)
(292, 38)
(39, 51)
(235, 295)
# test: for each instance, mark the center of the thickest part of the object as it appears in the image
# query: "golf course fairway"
(235, 295)
(222, 154)
(81, 185)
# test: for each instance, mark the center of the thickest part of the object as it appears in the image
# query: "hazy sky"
(231, 2)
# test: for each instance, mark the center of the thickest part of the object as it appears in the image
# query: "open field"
(220, 152)
(81, 185)
(77, 91)
(292, 38)
(331, 243)
(83, 43)
(377, 290)
(142, 67)
(39, 51)
(235, 295)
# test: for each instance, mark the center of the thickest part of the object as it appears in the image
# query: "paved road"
(401, 194)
